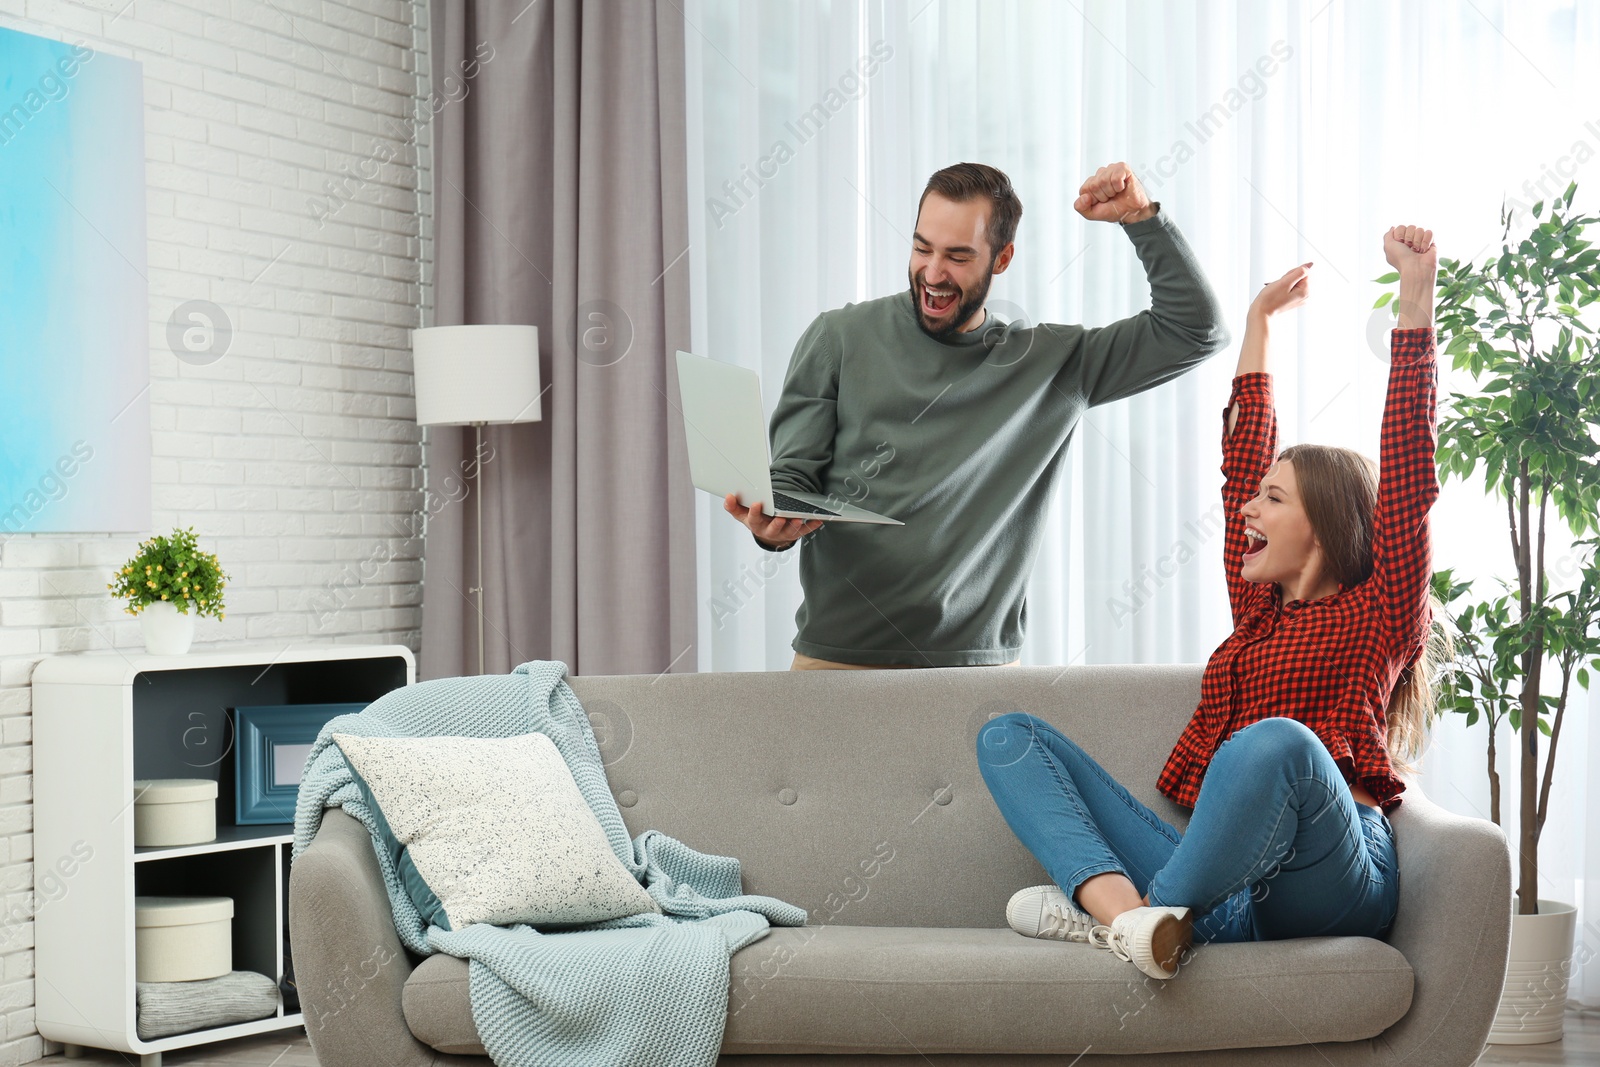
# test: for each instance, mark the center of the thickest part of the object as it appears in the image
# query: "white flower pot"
(167, 631)
(1535, 994)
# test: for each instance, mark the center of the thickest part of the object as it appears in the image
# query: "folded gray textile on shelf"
(167, 1008)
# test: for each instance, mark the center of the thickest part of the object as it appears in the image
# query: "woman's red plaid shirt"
(1331, 663)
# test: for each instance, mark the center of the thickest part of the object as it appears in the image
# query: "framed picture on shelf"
(273, 741)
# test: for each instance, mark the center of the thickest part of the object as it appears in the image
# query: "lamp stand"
(477, 492)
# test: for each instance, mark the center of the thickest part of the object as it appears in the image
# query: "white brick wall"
(294, 456)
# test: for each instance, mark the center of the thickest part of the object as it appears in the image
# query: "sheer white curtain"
(1273, 133)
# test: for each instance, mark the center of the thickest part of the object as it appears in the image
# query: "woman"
(1306, 712)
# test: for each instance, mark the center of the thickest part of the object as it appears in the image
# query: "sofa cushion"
(856, 795)
(438, 1007)
(901, 990)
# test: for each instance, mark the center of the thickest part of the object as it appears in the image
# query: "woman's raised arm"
(1289, 291)
(1408, 482)
(1250, 433)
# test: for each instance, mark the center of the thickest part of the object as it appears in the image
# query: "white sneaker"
(1045, 911)
(1152, 939)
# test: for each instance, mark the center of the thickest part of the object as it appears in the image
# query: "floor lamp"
(476, 376)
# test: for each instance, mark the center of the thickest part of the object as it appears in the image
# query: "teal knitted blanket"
(647, 990)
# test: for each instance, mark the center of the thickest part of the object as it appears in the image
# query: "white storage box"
(174, 811)
(182, 939)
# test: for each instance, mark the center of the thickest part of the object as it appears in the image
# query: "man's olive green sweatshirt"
(962, 439)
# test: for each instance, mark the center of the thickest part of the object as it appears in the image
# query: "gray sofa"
(856, 795)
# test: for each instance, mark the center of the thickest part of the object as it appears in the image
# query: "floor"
(286, 1049)
(1581, 1048)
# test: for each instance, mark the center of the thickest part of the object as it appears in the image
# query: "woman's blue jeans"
(1276, 847)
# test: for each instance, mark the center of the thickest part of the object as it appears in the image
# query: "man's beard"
(965, 308)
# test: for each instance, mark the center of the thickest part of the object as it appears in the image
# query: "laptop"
(725, 426)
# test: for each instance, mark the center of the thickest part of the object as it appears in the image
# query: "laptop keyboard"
(785, 502)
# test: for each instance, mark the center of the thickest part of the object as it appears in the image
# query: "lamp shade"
(469, 374)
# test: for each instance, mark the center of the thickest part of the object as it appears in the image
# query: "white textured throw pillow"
(492, 830)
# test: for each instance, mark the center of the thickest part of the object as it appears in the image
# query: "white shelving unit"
(103, 720)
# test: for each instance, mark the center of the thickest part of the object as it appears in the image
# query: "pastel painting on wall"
(74, 350)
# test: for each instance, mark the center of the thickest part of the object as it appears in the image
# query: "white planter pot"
(167, 631)
(1540, 964)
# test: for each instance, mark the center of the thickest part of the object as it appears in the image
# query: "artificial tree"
(1515, 321)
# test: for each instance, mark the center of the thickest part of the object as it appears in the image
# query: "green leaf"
(1388, 279)
(1384, 299)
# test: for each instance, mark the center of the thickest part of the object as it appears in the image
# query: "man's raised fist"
(1113, 194)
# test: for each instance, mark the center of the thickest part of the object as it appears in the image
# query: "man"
(921, 407)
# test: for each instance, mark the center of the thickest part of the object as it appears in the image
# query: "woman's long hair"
(1339, 491)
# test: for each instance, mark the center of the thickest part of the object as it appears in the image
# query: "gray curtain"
(559, 192)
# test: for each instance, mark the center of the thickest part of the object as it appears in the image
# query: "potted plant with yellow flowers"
(167, 585)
